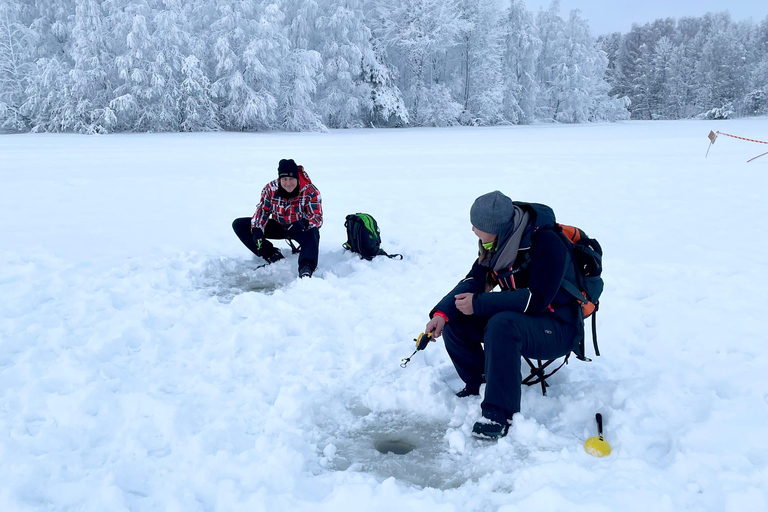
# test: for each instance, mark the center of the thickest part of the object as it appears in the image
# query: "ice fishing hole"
(396, 446)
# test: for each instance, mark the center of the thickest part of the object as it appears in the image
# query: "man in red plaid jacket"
(290, 208)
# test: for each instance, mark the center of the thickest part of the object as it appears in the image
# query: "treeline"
(710, 66)
(167, 65)
(98, 66)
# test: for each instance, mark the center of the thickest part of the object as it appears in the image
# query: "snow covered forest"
(675, 69)
(99, 66)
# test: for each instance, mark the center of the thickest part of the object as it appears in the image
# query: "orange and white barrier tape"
(713, 137)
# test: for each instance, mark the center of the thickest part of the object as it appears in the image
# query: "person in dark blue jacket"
(487, 333)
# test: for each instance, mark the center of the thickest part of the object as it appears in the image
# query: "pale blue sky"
(605, 16)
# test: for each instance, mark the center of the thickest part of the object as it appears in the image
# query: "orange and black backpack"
(586, 287)
(587, 257)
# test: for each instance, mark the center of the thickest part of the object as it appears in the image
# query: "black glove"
(294, 228)
(258, 237)
(264, 247)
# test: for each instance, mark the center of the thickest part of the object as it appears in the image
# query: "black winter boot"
(489, 429)
(469, 391)
(305, 271)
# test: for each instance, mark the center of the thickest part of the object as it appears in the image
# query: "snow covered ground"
(146, 365)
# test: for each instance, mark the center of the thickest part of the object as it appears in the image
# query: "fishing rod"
(422, 340)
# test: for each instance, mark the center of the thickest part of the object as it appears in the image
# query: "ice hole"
(396, 446)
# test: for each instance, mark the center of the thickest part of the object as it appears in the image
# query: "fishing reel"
(422, 340)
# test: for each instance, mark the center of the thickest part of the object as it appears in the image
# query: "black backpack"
(587, 260)
(588, 263)
(364, 237)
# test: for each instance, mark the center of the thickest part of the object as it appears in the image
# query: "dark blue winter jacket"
(532, 285)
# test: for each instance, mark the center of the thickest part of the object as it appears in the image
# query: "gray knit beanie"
(492, 212)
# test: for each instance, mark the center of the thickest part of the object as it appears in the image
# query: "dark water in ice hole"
(410, 450)
(396, 446)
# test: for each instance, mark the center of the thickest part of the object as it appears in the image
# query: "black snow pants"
(506, 337)
(309, 240)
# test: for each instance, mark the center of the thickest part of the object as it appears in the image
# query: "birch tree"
(522, 47)
(92, 76)
(481, 89)
(419, 32)
(17, 43)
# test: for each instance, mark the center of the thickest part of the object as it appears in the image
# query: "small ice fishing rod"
(421, 343)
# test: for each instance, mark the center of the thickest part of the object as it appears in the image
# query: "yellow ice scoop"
(597, 446)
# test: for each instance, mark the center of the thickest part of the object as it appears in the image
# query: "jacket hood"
(303, 178)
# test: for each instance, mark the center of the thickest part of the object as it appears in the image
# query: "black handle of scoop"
(599, 419)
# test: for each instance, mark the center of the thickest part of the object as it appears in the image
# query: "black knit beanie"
(492, 212)
(287, 169)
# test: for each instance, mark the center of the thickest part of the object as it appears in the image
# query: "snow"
(146, 365)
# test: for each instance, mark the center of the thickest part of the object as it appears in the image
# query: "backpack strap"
(381, 252)
(573, 290)
(392, 256)
(594, 328)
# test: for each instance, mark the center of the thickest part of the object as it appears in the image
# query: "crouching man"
(290, 208)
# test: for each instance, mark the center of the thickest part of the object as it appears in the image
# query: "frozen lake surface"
(146, 364)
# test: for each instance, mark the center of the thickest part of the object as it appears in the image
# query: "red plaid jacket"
(307, 205)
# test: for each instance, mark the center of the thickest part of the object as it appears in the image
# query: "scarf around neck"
(288, 195)
(508, 243)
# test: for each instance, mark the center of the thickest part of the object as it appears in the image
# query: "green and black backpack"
(364, 237)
